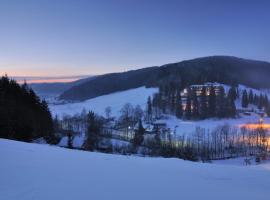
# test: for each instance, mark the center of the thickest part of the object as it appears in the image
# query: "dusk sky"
(76, 37)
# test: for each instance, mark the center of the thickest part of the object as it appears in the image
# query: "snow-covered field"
(33, 171)
(116, 101)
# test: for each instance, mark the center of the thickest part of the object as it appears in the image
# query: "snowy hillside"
(139, 96)
(241, 88)
(32, 171)
(116, 101)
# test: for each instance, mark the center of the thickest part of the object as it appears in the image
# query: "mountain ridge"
(224, 69)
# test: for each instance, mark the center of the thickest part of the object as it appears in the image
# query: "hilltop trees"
(23, 116)
(199, 103)
(245, 99)
(260, 101)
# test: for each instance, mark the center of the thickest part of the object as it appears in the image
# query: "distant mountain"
(56, 88)
(223, 69)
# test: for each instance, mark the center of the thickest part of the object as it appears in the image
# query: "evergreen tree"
(261, 102)
(139, 135)
(178, 106)
(212, 102)
(250, 97)
(188, 108)
(149, 109)
(221, 103)
(93, 132)
(244, 99)
(232, 94)
(157, 142)
(203, 104)
(155, 105)
(48, 120)
(70, 140)
(172, 101)
(195, 106)
(230, 107)
(255, 99)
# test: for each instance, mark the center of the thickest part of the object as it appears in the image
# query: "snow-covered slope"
(241, 88)
(116, 101)
(32, 171)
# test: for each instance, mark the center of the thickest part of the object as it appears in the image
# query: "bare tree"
(108, 112)
(126, 118)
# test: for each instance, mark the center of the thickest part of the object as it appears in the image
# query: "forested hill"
(223, 69)
(23, 116)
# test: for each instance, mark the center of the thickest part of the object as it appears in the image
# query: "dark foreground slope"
(223, 69)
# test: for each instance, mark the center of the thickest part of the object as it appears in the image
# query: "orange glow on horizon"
(50, 80)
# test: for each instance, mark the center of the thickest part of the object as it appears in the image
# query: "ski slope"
(33, 171)
(115, 100)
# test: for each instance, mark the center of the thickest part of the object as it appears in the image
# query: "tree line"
(220, 143)
(203, 144)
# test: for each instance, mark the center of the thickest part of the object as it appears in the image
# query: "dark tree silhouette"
(188, 108)
(244, 99)
(195, 106)
(203, 107)
(22, 115)
(212, 102)
(139, 135)
(178, 106)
